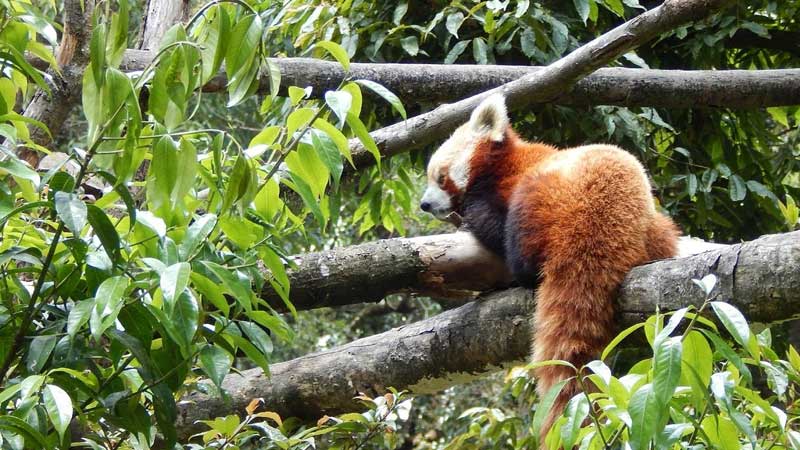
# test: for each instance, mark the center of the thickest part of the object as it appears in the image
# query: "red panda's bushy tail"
(573, 322)
(574, 318)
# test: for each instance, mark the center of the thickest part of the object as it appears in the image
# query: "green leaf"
(338, 138)
(237, 286)
(58, 405)
(108, 301)
(78, 316)
(543, 409)
(105, 231)
(666, 369)
(582, 7)
(19, 170)
(124, 194)
(615, 6)
(173, 282)
(309, 199)
(361, 132)
(453, 22)
(339, 102)
(329, 154)
(386, 94)
(296, 94)
(20, 427)
(39, 352)
(72, 211)
(166, 412)
(721, 433)
(619, 338)
(274, 77)
(480, 51)
(297, 119)
(196, 234)
(778, 114)
(182, 321)
(737, 189)
(257, 337)
(736, 325)
(691, 184)
(577, 410)
(456, 51)
(644, 411)
(410, 44)
(696, 359)
(337, 52)
(216, 363)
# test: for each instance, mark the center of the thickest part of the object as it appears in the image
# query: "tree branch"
(452, 266)
(761, 278)
(440, 83)
(540, 86)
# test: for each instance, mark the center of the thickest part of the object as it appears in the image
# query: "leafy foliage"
(133, 296)
(698, 388)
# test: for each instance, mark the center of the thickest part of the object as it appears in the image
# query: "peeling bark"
(449, 266)
(446, 266)
(761, 278)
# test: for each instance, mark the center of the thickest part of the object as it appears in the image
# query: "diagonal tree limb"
(761, 278)
(540, 86)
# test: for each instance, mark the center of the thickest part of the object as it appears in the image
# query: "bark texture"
(441, 83)
(72, 57)
(761, 278)
(738, 89)
(543, 85)
(161, 16)
(450, 266)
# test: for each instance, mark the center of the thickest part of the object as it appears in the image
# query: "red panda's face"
(449, 167)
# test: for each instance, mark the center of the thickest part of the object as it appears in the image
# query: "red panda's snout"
(436, 201)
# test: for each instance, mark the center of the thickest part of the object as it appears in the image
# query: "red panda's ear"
(490, 118)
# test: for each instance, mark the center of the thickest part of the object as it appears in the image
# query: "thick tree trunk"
(72, 57)
(451, 266)
(161, 16)
(441, 83)
(761, 278)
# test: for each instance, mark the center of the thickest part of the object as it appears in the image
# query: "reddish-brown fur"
(584, 227)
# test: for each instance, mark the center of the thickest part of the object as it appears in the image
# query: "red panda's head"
(449, 167)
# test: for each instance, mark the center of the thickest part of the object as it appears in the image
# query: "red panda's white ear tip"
(490, 118)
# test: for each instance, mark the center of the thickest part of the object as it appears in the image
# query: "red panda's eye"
(440, 178)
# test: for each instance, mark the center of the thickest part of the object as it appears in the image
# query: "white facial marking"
(489, 120)
(439, 201)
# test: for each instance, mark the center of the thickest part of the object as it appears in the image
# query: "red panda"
(571, 223)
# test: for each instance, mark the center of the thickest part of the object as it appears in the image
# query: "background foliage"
(116, 300)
